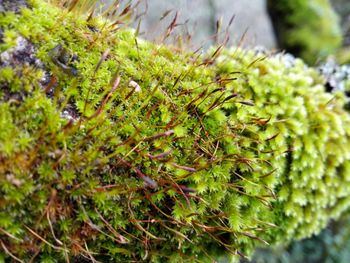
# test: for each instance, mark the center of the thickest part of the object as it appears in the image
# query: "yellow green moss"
(133, 151)
(312, 131)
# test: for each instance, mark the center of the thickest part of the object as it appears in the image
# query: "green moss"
(309, 29)
(311, 147)
(151, 154)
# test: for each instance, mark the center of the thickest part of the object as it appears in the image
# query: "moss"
(312, 139)
(308, 29)
(119, 150)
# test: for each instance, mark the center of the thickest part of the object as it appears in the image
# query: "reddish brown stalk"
(187, 190)
(217, 52)
(171, 27)
(100, 109)
(126, 10)
(51, 84)
(165, 14)
(103, 58)
(159, 156)
(248, 103)
(149, 181)
(272, 137)
(255, 61)
(204, 93)
(117, 22)
(261, 121)
(159, 135)
(151, 110)
(268, 174)
(179, 189)
(186, 168)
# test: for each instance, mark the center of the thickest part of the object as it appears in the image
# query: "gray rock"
(199, 17)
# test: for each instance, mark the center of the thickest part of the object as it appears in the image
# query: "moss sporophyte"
(119, 150)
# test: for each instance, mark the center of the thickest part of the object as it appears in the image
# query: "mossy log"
(115, 149)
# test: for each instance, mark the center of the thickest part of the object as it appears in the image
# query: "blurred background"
(311, 29)
(199, 19)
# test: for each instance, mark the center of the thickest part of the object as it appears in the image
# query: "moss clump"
(117, 149)
(309, 29)
(311, 129)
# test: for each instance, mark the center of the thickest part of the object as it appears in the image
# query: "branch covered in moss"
(114, 148)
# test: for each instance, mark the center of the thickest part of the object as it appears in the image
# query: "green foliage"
(311, 150)
(309, 29)
(134, 151)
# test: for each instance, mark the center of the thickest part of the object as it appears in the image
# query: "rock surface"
(201, 16)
